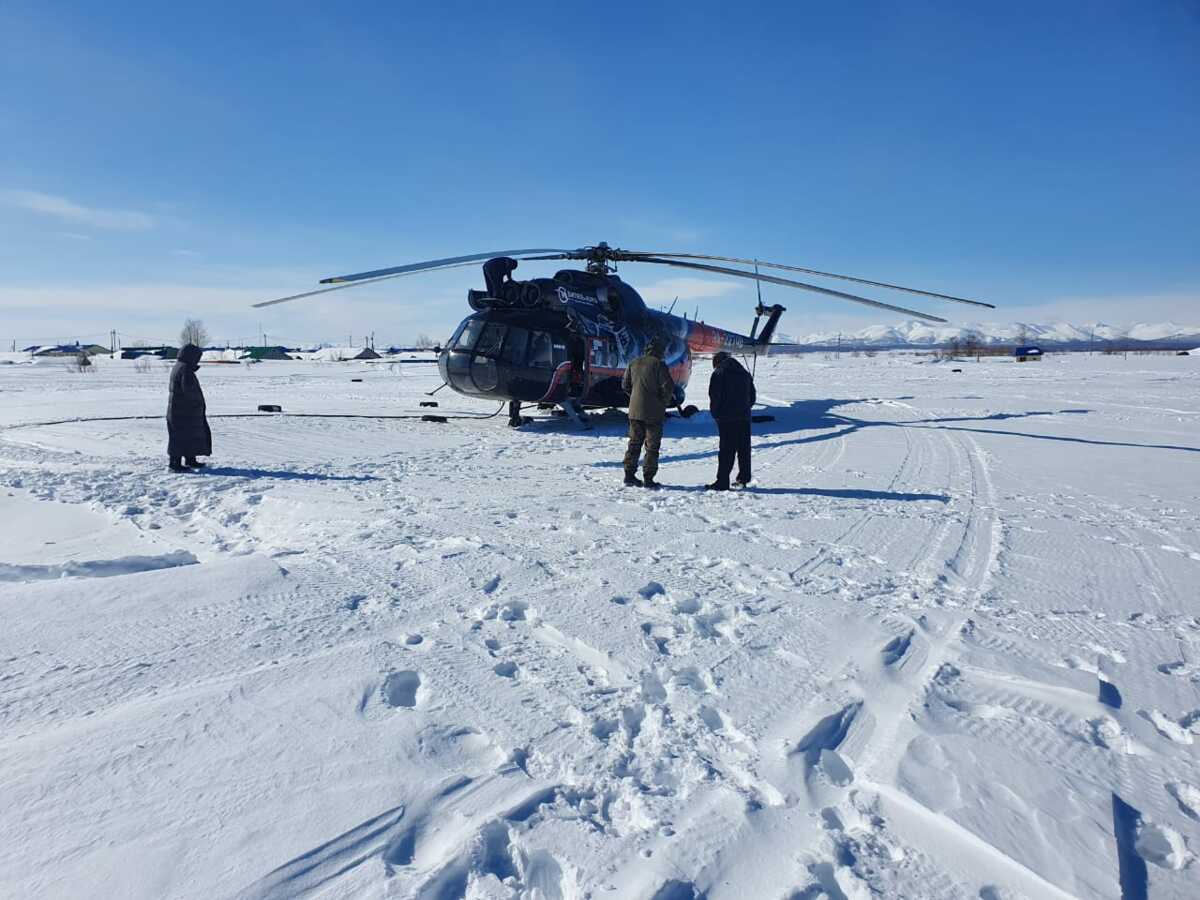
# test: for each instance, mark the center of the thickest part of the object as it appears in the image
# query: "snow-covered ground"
(948, 646)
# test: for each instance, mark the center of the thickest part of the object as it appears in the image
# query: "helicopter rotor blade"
(771, 265)
(787, 282)
(342, 287)
(435, 264)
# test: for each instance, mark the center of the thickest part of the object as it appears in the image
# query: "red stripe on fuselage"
(703, 338)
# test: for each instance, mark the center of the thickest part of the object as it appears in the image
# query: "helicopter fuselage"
(571, 337)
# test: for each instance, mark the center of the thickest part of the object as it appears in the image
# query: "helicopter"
(566, 341)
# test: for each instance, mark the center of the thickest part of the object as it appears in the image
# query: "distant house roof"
(221, 355)
(66, 350)
(160, 352)
(342, 354)
(266, 353)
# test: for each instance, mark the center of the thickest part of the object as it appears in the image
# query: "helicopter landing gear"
(515, 419)
(575, 411)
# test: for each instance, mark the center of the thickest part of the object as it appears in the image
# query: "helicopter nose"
(468, 373)
(455, 368)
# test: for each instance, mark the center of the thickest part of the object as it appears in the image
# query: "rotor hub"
(599, 258)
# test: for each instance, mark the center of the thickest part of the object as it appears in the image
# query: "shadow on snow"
(821, 416)
(282, 475)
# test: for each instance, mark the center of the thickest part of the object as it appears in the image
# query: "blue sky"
(159, 161)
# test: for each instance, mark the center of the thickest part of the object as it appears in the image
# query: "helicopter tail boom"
(763, 340)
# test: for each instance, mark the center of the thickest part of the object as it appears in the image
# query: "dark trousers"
(735, 441)
(650, 434)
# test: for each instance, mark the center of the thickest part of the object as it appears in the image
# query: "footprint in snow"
(603, 729)
(505, 669)
(687, 606)
(1178, 731)
(400, 689)
(514, 611)
(896, 648)
(1161, 845)
(652, 689)
(1188, 798)
(692, 678)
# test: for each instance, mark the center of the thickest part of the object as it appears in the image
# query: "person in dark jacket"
(731, 395)
(188, 434)
(648, 383)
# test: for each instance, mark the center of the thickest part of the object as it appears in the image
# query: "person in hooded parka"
(188, 434)
(731, 396)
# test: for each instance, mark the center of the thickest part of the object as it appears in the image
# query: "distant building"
(159, 352)
(266, 353)
(1025, 354)
(223, 355)
(342, 354)
(66, 350)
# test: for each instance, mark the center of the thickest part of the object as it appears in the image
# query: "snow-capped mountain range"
(922, 334)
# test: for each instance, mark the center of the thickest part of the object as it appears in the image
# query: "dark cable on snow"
(254, 415)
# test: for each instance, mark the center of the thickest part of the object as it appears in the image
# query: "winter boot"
(176, 464)
(194, 463)
(652, 484)
(631, 480)
(716, 486)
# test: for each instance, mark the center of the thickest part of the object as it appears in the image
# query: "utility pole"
(838, 353)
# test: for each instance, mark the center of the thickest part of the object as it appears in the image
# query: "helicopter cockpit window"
(515, 346)
(467, 336)
(541, 353)
(490, 340)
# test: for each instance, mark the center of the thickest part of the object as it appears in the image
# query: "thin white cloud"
(1180, 306)
(68, 211)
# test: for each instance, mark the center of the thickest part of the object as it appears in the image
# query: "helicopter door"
(601, 354)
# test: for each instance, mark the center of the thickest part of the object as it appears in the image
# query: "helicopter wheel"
(688, 411)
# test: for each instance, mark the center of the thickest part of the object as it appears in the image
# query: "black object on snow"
(269, 407)
(427, 418)
(429, 403)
